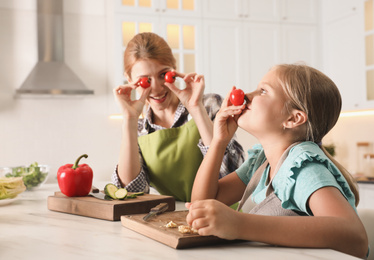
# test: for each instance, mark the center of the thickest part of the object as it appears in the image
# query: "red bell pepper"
(75, 180)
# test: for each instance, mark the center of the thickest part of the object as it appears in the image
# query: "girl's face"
(265, 111)
(160, 96)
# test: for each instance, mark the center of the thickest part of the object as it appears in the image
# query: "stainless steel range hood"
(51, 76)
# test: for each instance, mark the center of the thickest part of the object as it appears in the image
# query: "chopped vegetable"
(110, 190)
(121, 194)
(32, 175)
(113, 192)
(10, 187)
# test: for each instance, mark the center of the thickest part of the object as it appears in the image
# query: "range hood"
(51, 76)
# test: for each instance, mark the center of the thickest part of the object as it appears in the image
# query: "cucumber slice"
(120, 193)
(139, 193)
(110, 190)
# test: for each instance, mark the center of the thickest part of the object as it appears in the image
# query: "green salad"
(32, 176)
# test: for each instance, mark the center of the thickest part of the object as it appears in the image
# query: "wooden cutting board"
(107, 209)
(155, 228)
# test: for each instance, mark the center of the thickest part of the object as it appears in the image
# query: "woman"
(165, 148)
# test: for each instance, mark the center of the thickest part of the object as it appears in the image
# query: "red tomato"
(170, 76)
(144, 82)
(237, 97)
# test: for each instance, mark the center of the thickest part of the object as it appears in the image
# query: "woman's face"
(160, 97)
(265, 111)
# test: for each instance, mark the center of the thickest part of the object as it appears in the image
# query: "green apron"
(172, 158)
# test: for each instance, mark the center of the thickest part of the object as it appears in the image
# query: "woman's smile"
(159, 98)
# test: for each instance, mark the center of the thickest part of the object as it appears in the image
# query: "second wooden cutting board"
(107, 209)
(155, 228)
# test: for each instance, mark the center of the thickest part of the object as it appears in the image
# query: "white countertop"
(28, 230)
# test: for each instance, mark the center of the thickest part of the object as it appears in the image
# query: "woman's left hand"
(192, 95)
(211, 217)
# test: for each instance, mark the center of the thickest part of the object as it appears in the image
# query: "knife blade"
(160, 208)
(95, 192)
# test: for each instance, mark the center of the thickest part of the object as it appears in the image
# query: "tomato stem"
(77, 161)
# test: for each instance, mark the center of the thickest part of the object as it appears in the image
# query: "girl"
(290, 174)
(165, 148)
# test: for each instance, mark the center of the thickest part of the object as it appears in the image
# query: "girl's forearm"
(337, 233)
(129, 164)
(206, 180)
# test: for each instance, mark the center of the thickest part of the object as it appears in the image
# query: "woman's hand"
(211, 217)
(225, 123)
(130, 108)
(192, 95)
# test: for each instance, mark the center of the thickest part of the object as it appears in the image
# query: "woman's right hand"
(130, 108)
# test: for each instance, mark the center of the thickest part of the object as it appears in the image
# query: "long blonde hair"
(147, 46)
(309, 90)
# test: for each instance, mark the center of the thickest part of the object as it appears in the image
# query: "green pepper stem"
(77, 161)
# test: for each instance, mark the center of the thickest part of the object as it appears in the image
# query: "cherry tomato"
(144, 82)
(237, 97)
(170, 76)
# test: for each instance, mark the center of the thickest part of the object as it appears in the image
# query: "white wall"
(57, 131)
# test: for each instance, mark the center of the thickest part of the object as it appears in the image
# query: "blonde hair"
(147, 46)
(309, 90)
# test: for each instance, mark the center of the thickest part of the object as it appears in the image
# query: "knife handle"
(94, 189)
(160, 207)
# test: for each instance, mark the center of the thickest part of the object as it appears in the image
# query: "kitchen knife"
(162, 207)
(95, 192)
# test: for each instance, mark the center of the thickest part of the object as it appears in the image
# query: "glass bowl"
(33, 176)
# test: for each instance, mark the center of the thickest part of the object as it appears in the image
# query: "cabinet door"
(337, 9)
(299, 44)
(261, 47)
(263, 10)
(222, 56)
(299, 11)
(222, 9)
(187, 8)
(184, 38)
(344, 59)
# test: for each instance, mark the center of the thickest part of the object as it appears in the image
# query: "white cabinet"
(262, 10)
(366, 191)
(337, 9)
(186, 8)
(344, 51)
(253, 36)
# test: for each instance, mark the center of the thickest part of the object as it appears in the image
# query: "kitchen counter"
(28, 230)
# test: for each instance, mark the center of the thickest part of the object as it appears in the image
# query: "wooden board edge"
(148, 232)
(64, 205)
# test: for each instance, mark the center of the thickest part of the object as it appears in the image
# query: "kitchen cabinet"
(337, 9)
(344, 51)
(239, 49)
(185, 8)
(303, 11)
(366, 195)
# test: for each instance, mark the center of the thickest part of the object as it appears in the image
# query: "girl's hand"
(211, 217)
(130, 108)
(226, 121)
(191, 96)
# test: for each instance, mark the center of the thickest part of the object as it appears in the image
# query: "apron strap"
(257, 177)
